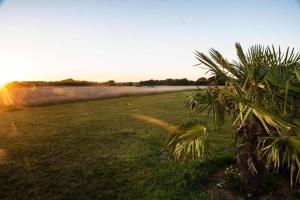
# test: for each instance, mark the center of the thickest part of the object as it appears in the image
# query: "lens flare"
(5, 96)
(2, 155)
(166, 126)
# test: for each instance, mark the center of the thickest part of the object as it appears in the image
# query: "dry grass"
(33, 96)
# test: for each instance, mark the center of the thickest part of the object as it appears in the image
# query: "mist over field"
(33, 96)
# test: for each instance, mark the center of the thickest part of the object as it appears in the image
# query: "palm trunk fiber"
(250, 164)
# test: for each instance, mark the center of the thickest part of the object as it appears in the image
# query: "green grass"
(97, 150)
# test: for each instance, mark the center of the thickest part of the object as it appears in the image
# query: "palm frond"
(189, 144)
(282, 152)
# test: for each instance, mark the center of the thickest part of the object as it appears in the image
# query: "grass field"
(98, 150)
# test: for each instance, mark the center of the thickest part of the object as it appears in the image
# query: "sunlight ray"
(166, 126)
(6, 97)
(2, 155)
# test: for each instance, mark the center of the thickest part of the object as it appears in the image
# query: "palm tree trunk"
(297, 105)
(250, 164)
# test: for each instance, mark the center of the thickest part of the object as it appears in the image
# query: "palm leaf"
(282, 152)
(191, 143)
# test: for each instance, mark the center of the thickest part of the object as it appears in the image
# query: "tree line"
(66, 82)
(203, 81)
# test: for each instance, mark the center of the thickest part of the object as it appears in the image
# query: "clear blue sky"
(133, 40)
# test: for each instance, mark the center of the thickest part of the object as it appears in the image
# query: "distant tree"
(202, 81)
(110, 83)
(217, 80)
(169, 81)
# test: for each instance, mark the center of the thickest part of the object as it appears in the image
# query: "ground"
(99, 150)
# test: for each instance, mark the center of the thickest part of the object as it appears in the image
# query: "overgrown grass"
(97, 150)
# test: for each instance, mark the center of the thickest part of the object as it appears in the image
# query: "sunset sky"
(133, 40)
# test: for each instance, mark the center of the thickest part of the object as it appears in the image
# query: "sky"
(130, 40)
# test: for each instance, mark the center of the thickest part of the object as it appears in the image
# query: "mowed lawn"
(98, 150)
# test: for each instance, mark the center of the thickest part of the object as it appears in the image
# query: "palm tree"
(262, 94)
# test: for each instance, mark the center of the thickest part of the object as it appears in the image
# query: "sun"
(2, 84)
(3, 81)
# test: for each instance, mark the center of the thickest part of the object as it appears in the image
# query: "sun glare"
(3, 81)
